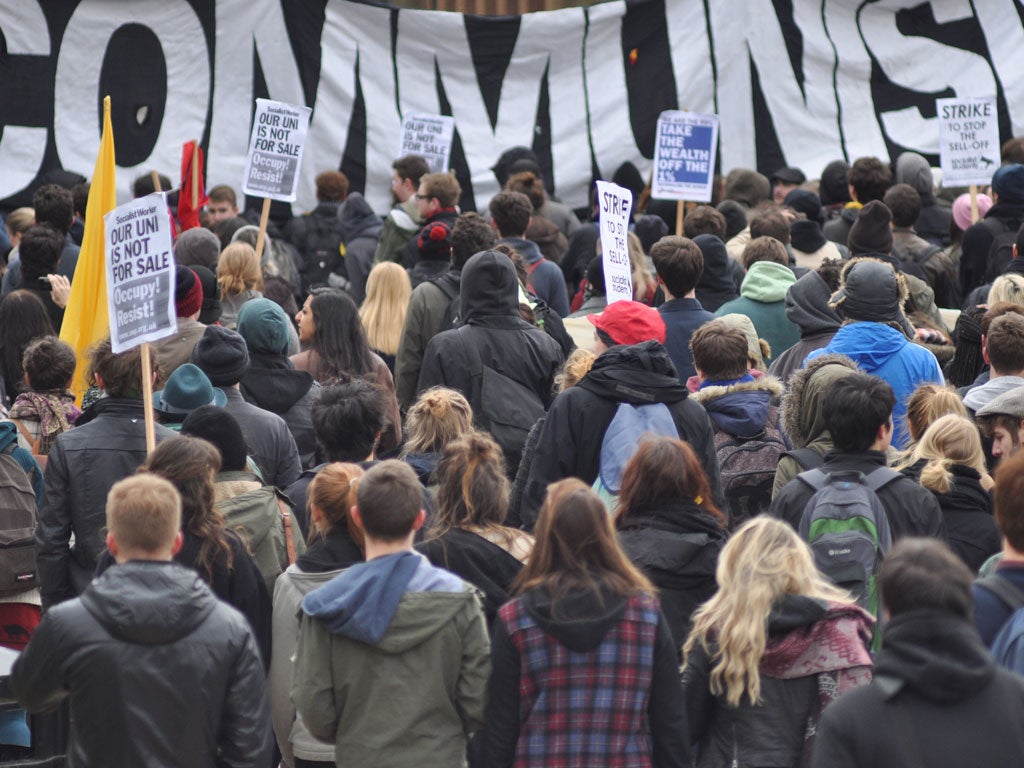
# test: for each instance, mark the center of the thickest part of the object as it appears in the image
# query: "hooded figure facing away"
(493, 341)
(933, 222)
(360, 232)
(807, 307)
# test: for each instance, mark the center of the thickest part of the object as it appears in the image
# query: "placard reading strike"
(140, 272)
(684, 156)
(430, 137)
(275, 150)
(615, 204)
(968, 140)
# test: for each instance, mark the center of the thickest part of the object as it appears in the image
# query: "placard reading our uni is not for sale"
(614, 206)
(684, 156)
(430, 137)
(969, 147)
(275, 150)
(140, 272)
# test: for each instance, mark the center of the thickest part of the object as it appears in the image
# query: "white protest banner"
(140, 272)
(615, 205)
(430, 137)
(275, 150)
(684, 156)
(968, 140)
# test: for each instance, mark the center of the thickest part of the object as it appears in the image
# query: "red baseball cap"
(630, 322)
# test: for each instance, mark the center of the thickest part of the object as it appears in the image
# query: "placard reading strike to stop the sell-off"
(140, 272)
(615, 203)
(430, 137)
(684, 156)
(275, 150)
(968, 140)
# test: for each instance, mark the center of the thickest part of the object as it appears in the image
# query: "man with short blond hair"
(158, 671)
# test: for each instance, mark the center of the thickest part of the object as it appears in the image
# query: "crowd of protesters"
(422, 497)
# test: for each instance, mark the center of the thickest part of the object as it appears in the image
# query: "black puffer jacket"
(84, 463)
(492, 334)
(273, 384)
(159, 672)
(937, 700)
(676, 544)
(569, 444)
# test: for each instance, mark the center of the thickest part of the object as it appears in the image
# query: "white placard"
(968, 140)
(430, 137)
(684, 156)
(140, 272)
(615, 204)
(275, 150)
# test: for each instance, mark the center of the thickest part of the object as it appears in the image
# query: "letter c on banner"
(76, 92)
(21, 148)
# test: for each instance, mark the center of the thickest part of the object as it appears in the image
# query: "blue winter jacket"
(883, 351)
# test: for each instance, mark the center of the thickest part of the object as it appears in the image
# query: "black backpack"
(17, 527)
(447, 285)
(747, 468)
(321, 248)
(1000, 253)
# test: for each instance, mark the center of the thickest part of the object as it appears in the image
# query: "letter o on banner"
(76, 91)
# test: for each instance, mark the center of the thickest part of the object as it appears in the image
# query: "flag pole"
(155, 176)
(195, 174)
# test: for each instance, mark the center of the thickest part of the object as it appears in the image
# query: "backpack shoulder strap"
(881, 477)
(27, 435)
(807, 458)
(531, 268)
(1004, 589)
(815, 478)
(446, 287)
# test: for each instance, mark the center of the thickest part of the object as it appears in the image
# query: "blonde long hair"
(239, 270)
(383, 312)
(950, 440)
(762, 562)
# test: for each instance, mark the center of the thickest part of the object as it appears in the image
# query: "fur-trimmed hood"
(742, 408)
(802, 418)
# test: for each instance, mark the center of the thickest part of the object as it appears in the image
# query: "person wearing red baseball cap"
(632, 367)
(626, 322)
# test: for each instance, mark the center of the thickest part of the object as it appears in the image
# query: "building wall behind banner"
(796, 83)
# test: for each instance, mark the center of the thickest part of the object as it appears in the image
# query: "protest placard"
(275, 150)
(968, 140)
(140, 272)
(615, 204)
(684, 156)
(430, 137)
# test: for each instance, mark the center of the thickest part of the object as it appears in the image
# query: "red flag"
(191, 187)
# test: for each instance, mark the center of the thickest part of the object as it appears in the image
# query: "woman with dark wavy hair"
(669, 527)
(335, 346)
(23, 317)
(214, 551)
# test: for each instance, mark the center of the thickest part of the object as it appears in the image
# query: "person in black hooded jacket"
(492, 336)
(272, 383)
(937, 698)
(634, 371)
(670, 529)
(807, 307)
(716, 285)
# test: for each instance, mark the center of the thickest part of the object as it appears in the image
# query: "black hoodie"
(492, 334)
(716, 285)
(807, 307)
(937, 700)
(569, 444)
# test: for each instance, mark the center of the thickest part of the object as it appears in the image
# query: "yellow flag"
(85, 318)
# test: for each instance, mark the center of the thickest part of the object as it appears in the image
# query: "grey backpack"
(17, 527)
(848, 529)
